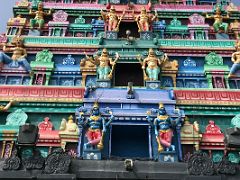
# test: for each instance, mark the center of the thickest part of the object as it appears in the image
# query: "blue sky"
(6, 12)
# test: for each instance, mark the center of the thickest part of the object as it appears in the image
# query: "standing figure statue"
(39, 16)
(143, 20)
(104, 71)
(97, 126)
(19, 54)
(236, 61)
(153, 65)
(112, 19)
(163, 127)
(218, 24)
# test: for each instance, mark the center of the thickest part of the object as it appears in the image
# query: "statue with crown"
(96, 126)
(164, 126)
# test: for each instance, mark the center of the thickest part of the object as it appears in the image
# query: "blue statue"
(96, 124)
(163, 127)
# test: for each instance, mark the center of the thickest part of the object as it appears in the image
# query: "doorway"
(132, 26)
(133, 143)
(128, 72)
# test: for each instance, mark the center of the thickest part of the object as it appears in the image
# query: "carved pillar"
(192, 34)
(206, 34)
(50, 32)
(209, 79)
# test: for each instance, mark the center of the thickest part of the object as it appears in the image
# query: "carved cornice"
(41, 94)
(207, 97)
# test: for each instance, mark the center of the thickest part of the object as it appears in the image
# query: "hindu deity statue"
(19, 54)
(39, 16)
(218, 24)
(153, 63)
(104, 63)
(96, 126)
(163, 127)
(236, 61)
(112, 19)
(143, 20)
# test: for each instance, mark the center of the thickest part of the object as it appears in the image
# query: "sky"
(6, 12)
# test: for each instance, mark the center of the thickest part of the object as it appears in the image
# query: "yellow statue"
(39, 16)
(143, 20)
(69, 127)
(236, 61)
(19, 54)
(112, 20)
(153, 63)
(218, 20)
(5, 108)
(103, 63)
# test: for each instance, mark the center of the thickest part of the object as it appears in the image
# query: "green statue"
(218, 24)
(39, 16)
(153, 63)
(104, 63)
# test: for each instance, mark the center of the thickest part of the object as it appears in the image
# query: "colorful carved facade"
(106, 65)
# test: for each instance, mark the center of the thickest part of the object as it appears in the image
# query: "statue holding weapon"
(163, 127)
(96, 126)
(143, 20)
(153, 63)
(112, 19)
(104, 63)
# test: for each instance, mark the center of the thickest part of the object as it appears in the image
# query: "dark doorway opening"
(128, 72)
(132, 143)
(132, 26)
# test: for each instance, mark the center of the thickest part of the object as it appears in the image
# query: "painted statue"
(143, 20)
(151, 65)
(19, 54)
(96, 126)
(163, 127)
(5, 108)
(39, 16)
(104, 63)
(236, 61)
(112, 19)
(218, 24)
(68, 127)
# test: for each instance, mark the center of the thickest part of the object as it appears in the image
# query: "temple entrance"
(128, 72)
(133, 143)
(132, 26)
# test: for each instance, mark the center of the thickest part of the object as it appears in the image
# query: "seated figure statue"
(19, 54)
(39, 16)
(96, 126)
(218, 24)
(163, 127)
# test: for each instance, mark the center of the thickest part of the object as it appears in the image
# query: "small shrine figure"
(143, 20)
(68, 127)
(97, 126)
(163, 127)
(112, 19)
(218, 24)
(39, 16)
(236, 61)
(19, 54)
(153, 65)
(104, 71)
